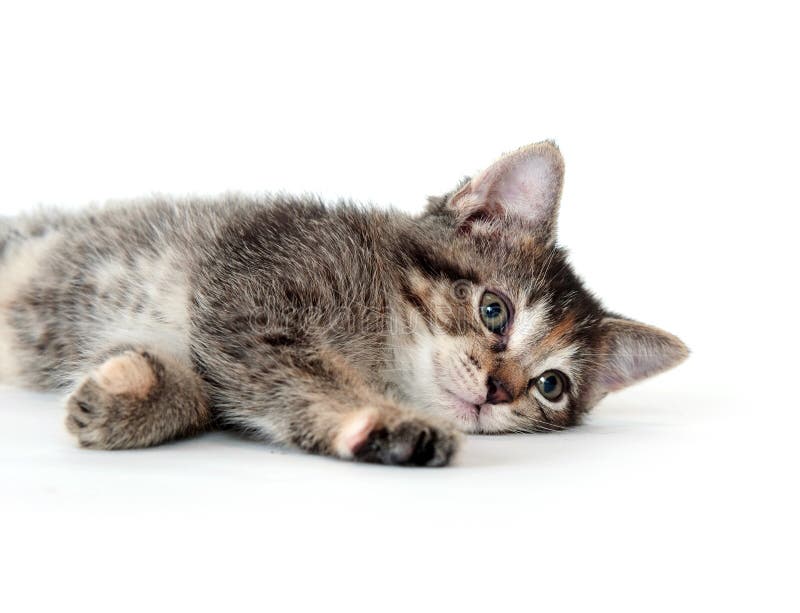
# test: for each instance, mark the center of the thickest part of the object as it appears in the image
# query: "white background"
(679, 125)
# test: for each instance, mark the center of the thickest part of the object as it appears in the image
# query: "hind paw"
(104, 411)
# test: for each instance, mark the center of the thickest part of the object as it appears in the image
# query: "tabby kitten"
(362, 334)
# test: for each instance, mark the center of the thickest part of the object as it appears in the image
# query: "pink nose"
(497, 392)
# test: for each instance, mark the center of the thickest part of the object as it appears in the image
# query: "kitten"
(362, 334)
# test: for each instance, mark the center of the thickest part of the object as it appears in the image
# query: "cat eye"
(551, 384)
(494, 312)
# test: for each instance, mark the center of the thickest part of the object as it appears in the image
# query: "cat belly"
(148, 306)
(62, 312)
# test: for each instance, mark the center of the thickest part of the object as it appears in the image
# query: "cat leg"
(378, 431)
(137, 398)
(322, 405)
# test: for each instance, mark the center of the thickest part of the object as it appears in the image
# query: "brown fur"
(558, 335)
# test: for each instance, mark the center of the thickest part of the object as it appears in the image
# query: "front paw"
(406, 441)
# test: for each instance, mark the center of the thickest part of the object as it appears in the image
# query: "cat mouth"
(465, 410)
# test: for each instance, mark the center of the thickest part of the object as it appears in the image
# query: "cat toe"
(412, 444)
(86, 415)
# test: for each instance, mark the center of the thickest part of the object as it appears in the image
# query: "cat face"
(501, 335)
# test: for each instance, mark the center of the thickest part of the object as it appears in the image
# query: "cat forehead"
(516, 257)
(538, 332)
(530, 324)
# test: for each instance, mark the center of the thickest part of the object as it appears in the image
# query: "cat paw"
(412, 441)
(102, 411)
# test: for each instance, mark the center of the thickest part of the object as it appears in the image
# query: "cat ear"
(525, 184)
(634, 351)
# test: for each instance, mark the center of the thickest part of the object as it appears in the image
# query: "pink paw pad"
(354, 432)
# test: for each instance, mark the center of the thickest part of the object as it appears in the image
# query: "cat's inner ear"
(525, 184)
(633, 351)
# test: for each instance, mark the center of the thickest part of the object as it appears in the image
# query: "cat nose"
(497, 392)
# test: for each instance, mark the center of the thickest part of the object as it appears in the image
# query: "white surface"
(679, 128)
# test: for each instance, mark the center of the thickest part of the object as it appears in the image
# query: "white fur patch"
(529, 323)
(424, 372)
(161, 287)
(415, 352)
